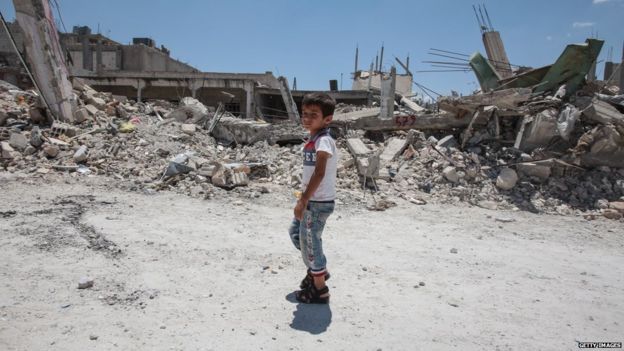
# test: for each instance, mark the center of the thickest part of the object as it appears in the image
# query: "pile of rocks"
(158, 145)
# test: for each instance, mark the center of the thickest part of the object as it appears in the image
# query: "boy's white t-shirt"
(327, 189)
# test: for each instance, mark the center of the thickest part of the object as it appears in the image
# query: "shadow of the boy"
(313, 318)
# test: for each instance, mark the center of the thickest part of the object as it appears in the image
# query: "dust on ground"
(177, 273)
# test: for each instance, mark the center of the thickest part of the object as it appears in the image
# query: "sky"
(315, 41)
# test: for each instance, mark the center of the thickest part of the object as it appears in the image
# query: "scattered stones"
(85, 283)
(51, 150)
(35, 137)
(188, 129)
(450, 173)
(18, 141)
(617, 205)
(612, 214)
(506, 179)
(81, 115)
(534, 170)
(453, 251)
(7, 151)
(504, 219)
(81, 154)
(92, 110)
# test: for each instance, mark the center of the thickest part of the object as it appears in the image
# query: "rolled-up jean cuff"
(318, 273)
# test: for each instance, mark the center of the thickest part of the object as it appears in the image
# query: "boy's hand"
(299, 208)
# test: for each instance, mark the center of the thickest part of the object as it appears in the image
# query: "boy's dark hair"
(324, 101)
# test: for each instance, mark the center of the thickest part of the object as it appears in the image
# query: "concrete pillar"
(388, 87)
(45, 57)
(98, 57)
(496, 53)
(87, 56)
(140, 86)
(194, 85)
(249, 90)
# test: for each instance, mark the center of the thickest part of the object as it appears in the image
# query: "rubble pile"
(518, 150)
(506, 149)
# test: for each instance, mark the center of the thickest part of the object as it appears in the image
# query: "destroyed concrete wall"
(11, 69)
(403, 82)
(146, 59)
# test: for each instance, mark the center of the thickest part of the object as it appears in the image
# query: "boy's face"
(312, 118)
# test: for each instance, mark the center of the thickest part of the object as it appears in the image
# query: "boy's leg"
(293, 232)
(311, 243)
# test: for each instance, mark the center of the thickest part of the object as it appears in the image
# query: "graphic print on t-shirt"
(309, 154)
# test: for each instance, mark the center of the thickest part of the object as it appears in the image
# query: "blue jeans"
(306, 234)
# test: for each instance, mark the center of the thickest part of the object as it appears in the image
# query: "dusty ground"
(175, 273)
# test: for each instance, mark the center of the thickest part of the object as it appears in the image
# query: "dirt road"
(175, 273)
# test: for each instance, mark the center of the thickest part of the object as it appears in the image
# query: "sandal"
(309, 280)
(313, 295)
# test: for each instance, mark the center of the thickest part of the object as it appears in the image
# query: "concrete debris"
(18, 141)
(7, 151)
(503, 149)
(507, 179)
(188, 129)
(85, 283)
(51, 151)
(604, 113)
(539, 170)
(448, 141)
(81, 154)
(450, 173)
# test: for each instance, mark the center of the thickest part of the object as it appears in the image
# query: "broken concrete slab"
(448, 141)
(362, 155)
(602, 112)
(99, 103)
(228, 178)
(602, 146)
(91, 109)
(241, 131)
(402, 122)
(539, 130)
(394, 147)
(507, 99)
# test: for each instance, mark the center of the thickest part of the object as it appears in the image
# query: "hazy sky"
(315, 40)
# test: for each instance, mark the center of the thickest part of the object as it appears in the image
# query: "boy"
(316, 203)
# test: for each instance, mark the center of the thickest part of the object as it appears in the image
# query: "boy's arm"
(313, 184)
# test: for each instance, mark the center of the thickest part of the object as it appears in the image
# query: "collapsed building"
(543, 140)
